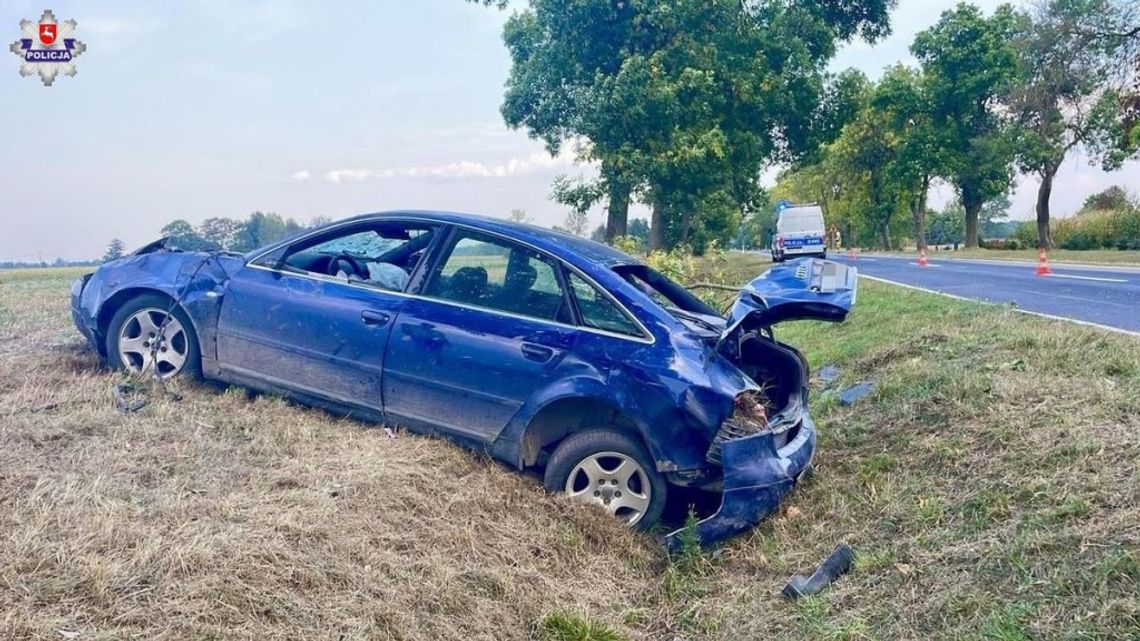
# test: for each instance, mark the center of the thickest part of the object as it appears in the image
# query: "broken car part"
(838, 563)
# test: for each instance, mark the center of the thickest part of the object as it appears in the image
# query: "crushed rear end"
(761, 461)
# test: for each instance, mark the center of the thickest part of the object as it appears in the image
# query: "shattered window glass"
(598, 311)
(380, 255)
(497, 274)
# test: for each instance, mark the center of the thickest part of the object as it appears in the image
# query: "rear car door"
(314, 318)
(491, 326)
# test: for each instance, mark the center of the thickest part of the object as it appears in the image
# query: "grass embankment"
(990, 487)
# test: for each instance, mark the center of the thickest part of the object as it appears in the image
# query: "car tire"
(134, 327)
(612, 470)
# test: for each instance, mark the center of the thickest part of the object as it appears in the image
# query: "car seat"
(468, 284)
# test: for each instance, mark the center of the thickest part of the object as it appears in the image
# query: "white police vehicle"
(799, 232)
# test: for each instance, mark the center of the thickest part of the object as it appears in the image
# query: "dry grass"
(990, 487)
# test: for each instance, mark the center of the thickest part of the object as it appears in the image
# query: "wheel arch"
(568, 415)
(116, 301)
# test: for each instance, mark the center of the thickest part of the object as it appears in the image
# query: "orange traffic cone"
(1042, 265)
(922, 262)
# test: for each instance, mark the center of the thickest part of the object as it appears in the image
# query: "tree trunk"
(918, 209)
(618, 213)
(1044, 238)
(885, 232)
(657, 227)
(972, 225)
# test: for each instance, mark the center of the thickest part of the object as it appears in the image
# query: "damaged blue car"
(545, 350)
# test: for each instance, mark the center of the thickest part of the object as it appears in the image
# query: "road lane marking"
(1103, 280)
(997, 262)
(1110, 328)
(926, 265)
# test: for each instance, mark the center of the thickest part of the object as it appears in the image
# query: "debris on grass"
(829, 373)
(856, 393)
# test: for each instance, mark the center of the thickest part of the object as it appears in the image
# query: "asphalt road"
(1108, 296)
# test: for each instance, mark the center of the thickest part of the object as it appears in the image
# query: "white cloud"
(533, 163)
(300, 176)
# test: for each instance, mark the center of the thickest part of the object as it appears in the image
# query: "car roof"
(561, 244)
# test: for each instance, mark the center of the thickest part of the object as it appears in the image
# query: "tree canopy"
(682, 103)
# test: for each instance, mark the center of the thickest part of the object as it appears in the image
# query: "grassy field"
(1089, 256)
(990, 488)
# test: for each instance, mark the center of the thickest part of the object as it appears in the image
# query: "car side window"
(381, 255)
(485, 271)
(597, 310)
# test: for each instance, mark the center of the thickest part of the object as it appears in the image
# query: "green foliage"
(677, 263)
(688, 564)
(1070, 92)
(968, 63)
(567, 626)
(115, 250)
(1113, 198)
(628, 244)
(258, 230)
(683, 102)
(1117, 227)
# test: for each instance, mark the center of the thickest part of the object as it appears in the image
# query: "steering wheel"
(349, 265)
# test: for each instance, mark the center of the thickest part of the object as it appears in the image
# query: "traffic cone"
(922, 262)
(1043, 265)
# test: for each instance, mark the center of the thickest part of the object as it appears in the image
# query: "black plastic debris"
(857, 392)
(834, 566)
(829, 373)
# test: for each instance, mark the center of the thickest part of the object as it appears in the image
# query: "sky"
(214, 108)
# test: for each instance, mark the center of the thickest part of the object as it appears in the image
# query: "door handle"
(373, 317)
(537, 352)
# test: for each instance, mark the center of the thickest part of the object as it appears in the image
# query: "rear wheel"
(611, 470)
(146, 336)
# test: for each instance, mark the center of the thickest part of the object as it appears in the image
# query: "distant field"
(990, 488)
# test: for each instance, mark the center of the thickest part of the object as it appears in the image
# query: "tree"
(580, 195)
(947, 227)
(1069, 94)
(115, 251)
(683, 102)
(318, 221)
(993, 217)
(183, 235)
(968, 63)
(902, 95)
(639, 229)
(261, 229)
(576, 222)
(866, 155)
(221, 232)
(1115, 198)
(520, 216)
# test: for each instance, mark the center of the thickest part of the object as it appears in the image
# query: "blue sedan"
(545, 350)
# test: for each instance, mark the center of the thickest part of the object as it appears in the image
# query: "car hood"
(808, 288)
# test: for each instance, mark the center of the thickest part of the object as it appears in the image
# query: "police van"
(799, 232)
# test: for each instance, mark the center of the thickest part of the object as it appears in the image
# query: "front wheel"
(611, 470)
(148, 335)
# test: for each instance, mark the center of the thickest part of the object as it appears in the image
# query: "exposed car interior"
(381, 255)
(494, 274)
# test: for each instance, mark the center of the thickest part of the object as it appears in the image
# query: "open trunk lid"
(808, 288)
